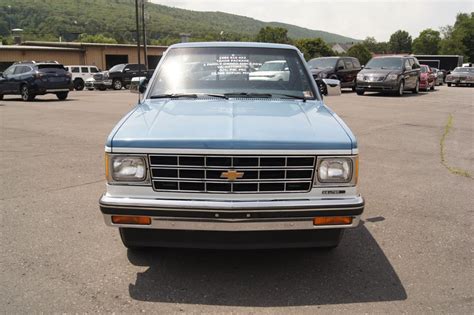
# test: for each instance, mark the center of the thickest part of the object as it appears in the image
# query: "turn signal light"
(332, 220)
(122, 219)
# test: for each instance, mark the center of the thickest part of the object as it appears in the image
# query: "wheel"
(127, 86)
(401, 88)
(90, 89)
(26, 94)
(117, 84)
(449, 84)
(79, 85)
(432, 87)
(102, 88)
(1, 97)
(62, 95)
(127, 240)
(417, 88)
(360, 91)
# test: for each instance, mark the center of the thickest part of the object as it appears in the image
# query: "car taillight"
(69, 74)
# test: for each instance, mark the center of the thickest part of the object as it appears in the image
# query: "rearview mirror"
(331, 87)
(138, 85)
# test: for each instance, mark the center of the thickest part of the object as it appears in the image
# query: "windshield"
(424, 69)
(464, 69)
(322, 63)
(384, 63)
(228, 71)
(117, 68)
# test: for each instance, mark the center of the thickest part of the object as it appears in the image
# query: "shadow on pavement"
(357, 271)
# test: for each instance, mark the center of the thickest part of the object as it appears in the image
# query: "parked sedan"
(427, 78)
(439, 76)
(461, 76)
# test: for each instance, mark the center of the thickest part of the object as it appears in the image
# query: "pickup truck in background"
(118, 76)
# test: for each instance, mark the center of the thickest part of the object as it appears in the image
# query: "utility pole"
(144, 35)
(138, 36)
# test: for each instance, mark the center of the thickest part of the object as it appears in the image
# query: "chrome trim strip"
(57, 90)
(356, 202)
(288, 152)
(232, 225)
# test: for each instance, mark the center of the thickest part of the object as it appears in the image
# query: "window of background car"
(9, 71)
(84, 70)
(348, 64)
(356, 63)
(384, 63)
(75, 69)
(322, 63)
(19, 70)
(424, 69)
(233, 70)
(407, 64)
(340, 64)
(94, 70)
(117, 68)
(51, 68)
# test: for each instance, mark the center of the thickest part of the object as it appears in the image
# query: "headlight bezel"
(353, 161)
(113, 179)
(392, 77)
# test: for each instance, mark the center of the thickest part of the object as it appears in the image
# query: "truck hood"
(232, 124)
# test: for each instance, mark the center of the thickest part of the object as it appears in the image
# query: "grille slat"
(257, 174)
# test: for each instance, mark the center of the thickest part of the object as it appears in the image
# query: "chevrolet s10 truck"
(214, 157)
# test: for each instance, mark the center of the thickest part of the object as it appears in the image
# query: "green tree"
(270, 34)
(360, 52)
(98, 38)
(400, 42)
(459, 38)
(374, 46)
(313, 47)
(428, 42)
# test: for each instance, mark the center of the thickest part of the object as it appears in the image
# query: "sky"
(353, 18)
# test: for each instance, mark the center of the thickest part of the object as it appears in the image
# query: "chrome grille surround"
(261, 173)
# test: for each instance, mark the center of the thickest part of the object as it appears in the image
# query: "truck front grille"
(232, 174)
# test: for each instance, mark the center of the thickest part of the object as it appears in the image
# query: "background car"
(80, 74)
(439, 76)
(461, 76)
(275, 70)
(427, 78)
(344, 69)
(394, 74)
(31, 78)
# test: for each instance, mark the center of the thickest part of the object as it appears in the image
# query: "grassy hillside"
(49, 19)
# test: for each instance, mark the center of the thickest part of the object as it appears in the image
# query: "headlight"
(392, 77)
(360, 76)
(127, 168)
(335, 170)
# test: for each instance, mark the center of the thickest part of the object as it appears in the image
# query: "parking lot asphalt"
(413, 252)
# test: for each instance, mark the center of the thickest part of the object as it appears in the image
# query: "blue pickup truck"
(230, 147)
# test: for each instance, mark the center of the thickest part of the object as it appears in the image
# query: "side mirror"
(138, 85)
(331, 87)
(126, 69)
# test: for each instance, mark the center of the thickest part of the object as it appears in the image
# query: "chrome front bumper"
(233, 215)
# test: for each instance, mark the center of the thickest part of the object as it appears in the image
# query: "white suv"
(80, 74)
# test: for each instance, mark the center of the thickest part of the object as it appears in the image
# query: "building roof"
(28, 47)
(81, 44)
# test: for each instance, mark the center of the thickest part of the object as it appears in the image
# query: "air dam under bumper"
(232, 215)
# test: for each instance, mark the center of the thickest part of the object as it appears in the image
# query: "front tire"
(79, 85)
(360, 91)
(432, 87)
(1, 97)
(401, 88)
(449, 84)
(26, 94)
(62, 95)
(117, 84)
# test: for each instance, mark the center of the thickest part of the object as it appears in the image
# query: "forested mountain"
(49, 19)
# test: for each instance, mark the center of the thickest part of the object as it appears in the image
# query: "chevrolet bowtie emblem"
(232, 175)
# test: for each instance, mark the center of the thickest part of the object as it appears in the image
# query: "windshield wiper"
(293, 96)
(250, 95)
(187, 95)
(175, 95)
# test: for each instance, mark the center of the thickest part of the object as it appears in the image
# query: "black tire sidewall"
(79, 85)
(114, 83)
